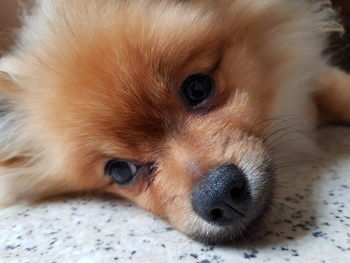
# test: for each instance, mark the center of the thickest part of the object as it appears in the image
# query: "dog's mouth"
(227, 203)
(236, 231)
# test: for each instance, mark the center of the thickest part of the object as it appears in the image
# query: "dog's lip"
(231, 233)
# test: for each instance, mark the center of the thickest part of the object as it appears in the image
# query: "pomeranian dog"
(182, 107)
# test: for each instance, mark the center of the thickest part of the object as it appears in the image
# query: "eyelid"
(215, 67)
(130, 163)
(210, 69)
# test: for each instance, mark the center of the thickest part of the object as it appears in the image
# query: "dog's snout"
(222, 197)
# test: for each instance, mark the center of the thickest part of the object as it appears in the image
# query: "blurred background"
(340, 45)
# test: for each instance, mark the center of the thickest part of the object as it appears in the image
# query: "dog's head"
(165, 102)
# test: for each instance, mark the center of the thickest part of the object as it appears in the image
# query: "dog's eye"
(121, 171)
(197, 88)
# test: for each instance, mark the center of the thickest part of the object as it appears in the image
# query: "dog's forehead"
(119, 79)
(137, 78)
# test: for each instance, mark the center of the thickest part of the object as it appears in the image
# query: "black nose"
(222, 197)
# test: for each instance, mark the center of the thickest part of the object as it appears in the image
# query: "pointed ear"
(6, 84)
(16, 146)
(20, 170)
(7, 93)
(332, 98)
(11, 121)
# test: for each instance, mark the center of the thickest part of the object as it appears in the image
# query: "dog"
(182, 107)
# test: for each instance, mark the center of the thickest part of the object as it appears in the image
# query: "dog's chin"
(208, 233)
(213, 235)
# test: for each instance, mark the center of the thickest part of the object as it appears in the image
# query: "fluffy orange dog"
(183, 107)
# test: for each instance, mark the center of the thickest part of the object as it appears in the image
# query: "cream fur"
(56, 29)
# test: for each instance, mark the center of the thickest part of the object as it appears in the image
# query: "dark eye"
(121, 171)
(197, 88)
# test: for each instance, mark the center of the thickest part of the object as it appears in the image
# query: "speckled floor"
(310, 222)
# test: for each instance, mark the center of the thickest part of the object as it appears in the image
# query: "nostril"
(237, 192)
(216, 214)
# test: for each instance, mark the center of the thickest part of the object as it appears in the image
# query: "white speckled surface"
(310, 222)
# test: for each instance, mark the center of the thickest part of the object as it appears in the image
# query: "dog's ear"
(6, 84)
(10, 120)
(12, 142)
(24, 169)
(27, 169)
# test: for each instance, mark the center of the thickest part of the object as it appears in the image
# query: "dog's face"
(161, 104)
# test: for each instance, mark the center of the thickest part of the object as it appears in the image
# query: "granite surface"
(309, 222)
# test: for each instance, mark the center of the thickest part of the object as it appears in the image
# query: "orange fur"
(96, 80)
(333, 98)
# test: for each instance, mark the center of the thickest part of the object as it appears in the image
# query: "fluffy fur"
(92, 80)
